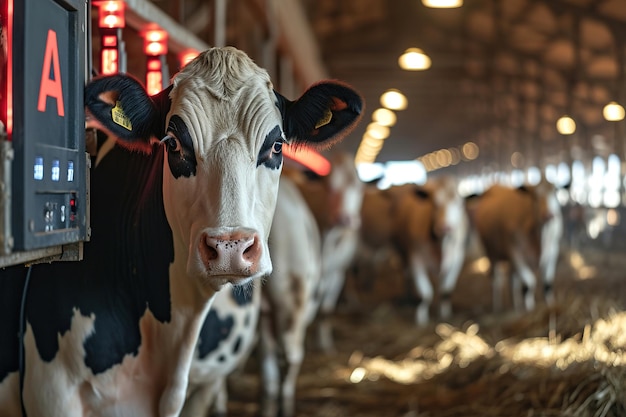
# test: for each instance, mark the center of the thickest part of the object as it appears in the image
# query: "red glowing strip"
(109, 61)
(109, 41)
(308, 157)
(154, 82)
(9, 95)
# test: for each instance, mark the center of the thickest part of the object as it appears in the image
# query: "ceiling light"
(414, 59)
(384, 117)
(377, 131)
(393, 100)
(566, 125)
(613, 112)
(442, 4)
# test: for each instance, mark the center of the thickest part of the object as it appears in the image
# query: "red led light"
(155, 42)
(6, 68)
(154, 82)
(111, 14)
(186, 56)
(154, 65)
(109, 61)
(109, 41)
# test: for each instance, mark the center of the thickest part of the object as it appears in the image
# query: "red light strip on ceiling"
(308, 157)
(9, 71)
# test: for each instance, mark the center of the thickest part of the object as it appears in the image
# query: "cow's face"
(450, 207)
(224, 158)
(223, 127)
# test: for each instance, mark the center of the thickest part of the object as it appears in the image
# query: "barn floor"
(569, 360)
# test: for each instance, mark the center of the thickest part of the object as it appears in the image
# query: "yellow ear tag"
(328, 115)
(119, 117)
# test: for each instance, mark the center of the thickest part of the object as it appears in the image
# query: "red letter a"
(51, 87)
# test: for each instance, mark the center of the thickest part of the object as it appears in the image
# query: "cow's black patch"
(125, 269)
(11, 285)
(237, 345)
(271, 154)
(242, 294)
(181, 159)
(214, 330)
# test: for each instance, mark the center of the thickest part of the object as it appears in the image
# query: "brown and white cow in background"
(173, 221)
(428, 226)
(335, 200)
(520, 231)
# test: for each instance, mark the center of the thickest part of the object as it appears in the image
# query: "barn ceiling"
(502, 71)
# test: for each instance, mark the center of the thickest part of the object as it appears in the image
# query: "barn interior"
(502, 74)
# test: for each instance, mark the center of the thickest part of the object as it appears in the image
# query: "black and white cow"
(173, 221)
(227, 337)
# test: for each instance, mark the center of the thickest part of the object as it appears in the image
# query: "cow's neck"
(170, 324)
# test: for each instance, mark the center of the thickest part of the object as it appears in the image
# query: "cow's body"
(428, 226)
(335, 201)
(289, 299)
(227, 337)
(511, 224)
(172, 222)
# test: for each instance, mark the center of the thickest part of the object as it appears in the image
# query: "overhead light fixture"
(414, 59)
(377, 131)
(384, 117)
(566, 125)
(442, 4)
(613, 112)
(393, 100)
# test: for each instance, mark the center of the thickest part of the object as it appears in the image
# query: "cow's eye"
(277, 147)
(172, 143)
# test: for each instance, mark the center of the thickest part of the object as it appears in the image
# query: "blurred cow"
(180, 207)
(335, 200)
(289, 299)
(428, 226)
(520, 229)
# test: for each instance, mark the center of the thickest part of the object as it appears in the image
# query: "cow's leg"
(517, 291)
(451, 264)
(334, 281)
(270, 369)
(528, 279)
(423, 286)
(198, 402)
(498, 275)
(293, 346)
(548, 271)
(220, 407)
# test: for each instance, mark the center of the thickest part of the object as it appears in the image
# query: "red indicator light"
(154, 64)
(109, 61)
(155, 42)
(6, 67)
(186, 56)
(154, 82)
(109, 41)
(111, 14)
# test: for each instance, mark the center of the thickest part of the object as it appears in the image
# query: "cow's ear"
(123, 107)
(323, 115)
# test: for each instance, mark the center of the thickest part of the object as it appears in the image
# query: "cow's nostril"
(252, 252)
(210, 249)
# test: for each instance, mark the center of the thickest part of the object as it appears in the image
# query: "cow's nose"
(236, 253)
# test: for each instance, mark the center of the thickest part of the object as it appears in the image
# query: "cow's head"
(223, 126)
(335, 198)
